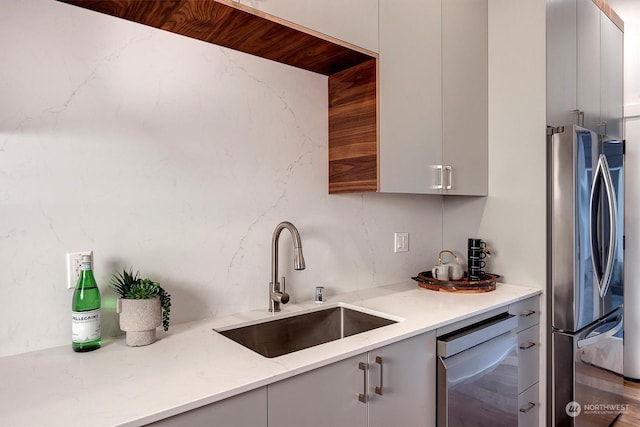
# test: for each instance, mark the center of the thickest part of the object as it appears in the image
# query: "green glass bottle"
(85, 310)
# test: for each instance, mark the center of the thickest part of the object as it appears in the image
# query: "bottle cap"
(86, 262)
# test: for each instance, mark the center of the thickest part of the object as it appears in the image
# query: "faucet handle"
(284, 298)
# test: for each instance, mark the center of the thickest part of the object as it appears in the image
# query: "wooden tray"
(487, 284)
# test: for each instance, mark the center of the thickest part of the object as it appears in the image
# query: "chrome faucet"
(277, 295)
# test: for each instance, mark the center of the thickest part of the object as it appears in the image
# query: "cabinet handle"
(580, 117)
(379, 388)
(529, 407)
(363, 397)
(439, 177)
(527, 346)
(603, 127)
(449, 171)
(527, 313)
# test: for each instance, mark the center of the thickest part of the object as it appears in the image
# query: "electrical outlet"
(73, 267)
(401, 242)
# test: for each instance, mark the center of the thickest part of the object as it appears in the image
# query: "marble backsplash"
(178, 158)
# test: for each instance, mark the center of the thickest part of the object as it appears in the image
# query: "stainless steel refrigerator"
(585, 276)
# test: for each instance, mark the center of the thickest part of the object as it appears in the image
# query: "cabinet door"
(611, 82)
(588, 59)
(529, 408)
(465, 95)
(406, 372)
(528, 357)
(245, 410)
(561, 63)
(353, 21)
(528, 312)
(410, 96)
(327, 396)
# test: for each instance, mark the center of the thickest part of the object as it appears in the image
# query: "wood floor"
(631, 418)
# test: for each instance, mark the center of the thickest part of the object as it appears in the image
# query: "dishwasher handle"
(470, 336)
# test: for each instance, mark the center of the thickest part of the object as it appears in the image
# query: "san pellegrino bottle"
(85, 310)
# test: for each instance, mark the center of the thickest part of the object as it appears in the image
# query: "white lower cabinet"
(528, 333)
(392, 385)
(529, 413)
(528, 357)
(244, 410)
(326, 396)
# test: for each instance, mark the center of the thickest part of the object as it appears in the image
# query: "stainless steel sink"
(274, 338)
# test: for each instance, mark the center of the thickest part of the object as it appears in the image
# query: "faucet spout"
(277, 295)
(298, 259)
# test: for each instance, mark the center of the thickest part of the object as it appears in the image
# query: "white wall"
(629, 11)
(178, 158)
(512, 219)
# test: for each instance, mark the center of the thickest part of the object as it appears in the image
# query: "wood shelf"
(352, 72)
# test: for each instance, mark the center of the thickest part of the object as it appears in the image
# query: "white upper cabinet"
(588, 60)
(410, 96)
(353, 21)
(433, 87)
(611, 71)
(584, 67)
(465, 94)
(561, 62)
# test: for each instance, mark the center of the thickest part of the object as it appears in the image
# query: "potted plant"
(143, 305)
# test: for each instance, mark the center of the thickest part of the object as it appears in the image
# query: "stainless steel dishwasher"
(478, 374)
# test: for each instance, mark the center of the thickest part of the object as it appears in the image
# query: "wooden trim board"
(608, 10)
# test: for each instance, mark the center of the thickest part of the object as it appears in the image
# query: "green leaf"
(130, 286)
(122, 282)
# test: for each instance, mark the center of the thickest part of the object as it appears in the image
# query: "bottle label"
(85, 325)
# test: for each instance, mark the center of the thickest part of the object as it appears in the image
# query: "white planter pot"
(139, 318)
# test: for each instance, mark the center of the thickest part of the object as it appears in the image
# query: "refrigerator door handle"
(603, 175)
(592, 338)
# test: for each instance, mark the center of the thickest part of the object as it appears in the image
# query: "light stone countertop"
(192, 366)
